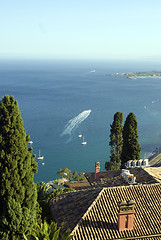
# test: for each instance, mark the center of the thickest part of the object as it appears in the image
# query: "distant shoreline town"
(134, 75)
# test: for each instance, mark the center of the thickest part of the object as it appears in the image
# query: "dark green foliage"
(66, 235)
(66, 173)
(43, 200)
(46, 231)
(79, 177)
(44, 197)
(131, 148)
(18, 195)
(115, 142)
(108, 166)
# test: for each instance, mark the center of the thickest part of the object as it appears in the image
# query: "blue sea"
(61, 99)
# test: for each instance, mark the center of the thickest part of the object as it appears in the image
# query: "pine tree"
(18, 194)
(115, 142)
(131, 148)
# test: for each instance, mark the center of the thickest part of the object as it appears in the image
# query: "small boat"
(79, 135)
(40, 157)
(30, 142)
(42, 163)
(84, 142)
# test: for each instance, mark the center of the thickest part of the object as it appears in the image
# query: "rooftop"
(155, 172)
(114, 178)
(78, 185)
(156, 161)
(93, 214)
(68, 208)
(100, 220)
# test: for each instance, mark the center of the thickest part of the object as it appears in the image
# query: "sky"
(80, 29)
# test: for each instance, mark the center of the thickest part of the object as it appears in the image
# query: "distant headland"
(134, 75)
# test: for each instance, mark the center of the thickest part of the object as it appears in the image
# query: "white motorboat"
(84, 142)
(30, 142)
(40, 157)
(79, 135)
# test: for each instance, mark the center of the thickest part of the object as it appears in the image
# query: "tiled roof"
(100, 220)
(106, 178)
(114, 178)
(78, 185)
(68, 208)
(156, 162)
(155, 172)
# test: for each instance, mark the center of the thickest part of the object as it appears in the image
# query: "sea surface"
(61, 99)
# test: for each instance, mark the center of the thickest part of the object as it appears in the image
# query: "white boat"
(84, 142)
(40, 157)
(79, 135)
(30, 142)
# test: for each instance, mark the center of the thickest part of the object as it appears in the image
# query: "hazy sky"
(80, 29)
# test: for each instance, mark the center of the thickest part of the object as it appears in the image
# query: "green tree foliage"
(108, 165)
(79, 177)
(75, 174)
(45, 195)
(131, 148)
(115, 142)
(18, 194)
(46, 231)
(66, 173)
(43, 190)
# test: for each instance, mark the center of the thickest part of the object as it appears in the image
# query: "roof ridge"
(89, 208)
(133, 185)
(101, 192)
(78, 190)
(140, 237)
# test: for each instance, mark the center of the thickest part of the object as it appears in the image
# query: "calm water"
(52, 93)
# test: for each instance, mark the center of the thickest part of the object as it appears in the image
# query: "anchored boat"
(40, 157)
(79, 135)
(84, 142)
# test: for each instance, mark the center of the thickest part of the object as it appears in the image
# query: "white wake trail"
(74, 123)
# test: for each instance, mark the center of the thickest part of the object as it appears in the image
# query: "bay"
(51, 93)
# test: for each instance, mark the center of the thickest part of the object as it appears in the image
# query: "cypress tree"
(18, 194)
(131, 148)
(115, 142)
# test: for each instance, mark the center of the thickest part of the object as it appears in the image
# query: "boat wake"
(74, 122)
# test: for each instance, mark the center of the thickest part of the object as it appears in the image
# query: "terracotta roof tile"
(78, 185)
(100, 220)
(155, 172)
(156, 161)
(93, 212)
(114, 178)
(68, 208)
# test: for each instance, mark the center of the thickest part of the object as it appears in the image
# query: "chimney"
(97, 170)
(126, 215)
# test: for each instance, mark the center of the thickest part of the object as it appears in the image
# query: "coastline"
(135, 75)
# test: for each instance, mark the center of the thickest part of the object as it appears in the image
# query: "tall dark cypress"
(131, 148)
(18, 194)
(116, 141)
